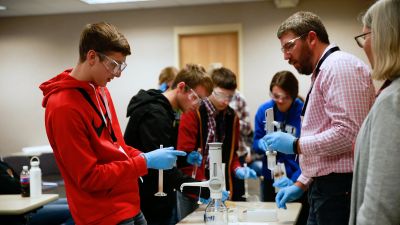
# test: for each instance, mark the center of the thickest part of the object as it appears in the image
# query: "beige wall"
(33, 49)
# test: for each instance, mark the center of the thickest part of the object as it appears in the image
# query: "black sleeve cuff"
(295, 145)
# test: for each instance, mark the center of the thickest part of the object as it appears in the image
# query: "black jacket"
(152, 123)
(9, 180)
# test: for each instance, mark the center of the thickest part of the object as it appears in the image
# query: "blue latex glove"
(279, 141)
(162, 159)
(262, 145)
(194, 158)
(287, 194)
(225, 196)
(283, 182)
(245, 173)
(205, 201)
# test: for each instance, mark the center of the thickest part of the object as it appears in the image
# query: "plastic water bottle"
(24, 180)
(36, 177)
(216, 213)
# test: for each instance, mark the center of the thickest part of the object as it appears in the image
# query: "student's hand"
(245, 173)
(279, 141)
(194, 158)
(162, 159)
(262, 145)
(287, 194)
(205, 201)
(225, 196)
(283, 182)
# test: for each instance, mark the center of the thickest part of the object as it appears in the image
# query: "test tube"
(223, 175)
(271, 161)
(279, 173)
(246, 185)
(198, 200)
(195, 166)
(271, 155)
(160, 192)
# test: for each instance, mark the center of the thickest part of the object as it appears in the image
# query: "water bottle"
(216, 213)
(24, 180)
(36, 177)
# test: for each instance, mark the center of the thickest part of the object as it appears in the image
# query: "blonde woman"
(375, 195)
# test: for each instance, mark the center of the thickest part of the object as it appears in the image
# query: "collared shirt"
(212, 125)
(340, 99)
(239, 104)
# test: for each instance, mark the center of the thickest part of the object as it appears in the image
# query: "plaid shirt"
(211, 125)
(239, 104)
(340, 99)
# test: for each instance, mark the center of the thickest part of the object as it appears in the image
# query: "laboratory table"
(287, 217)
(17, 205)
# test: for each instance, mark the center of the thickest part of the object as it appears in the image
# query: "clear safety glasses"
(279, 96)
(288, 46)
(222, 96)
(193, 96)
(111, 65)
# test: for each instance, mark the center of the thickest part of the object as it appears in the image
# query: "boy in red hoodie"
(100, 171)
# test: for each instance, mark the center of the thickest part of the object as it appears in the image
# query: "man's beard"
(306, 68)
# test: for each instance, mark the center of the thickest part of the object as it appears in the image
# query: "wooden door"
(208, 49)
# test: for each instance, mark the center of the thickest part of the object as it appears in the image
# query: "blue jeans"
(256, 165)
(329, 199)
(137, 220)
(56, 212)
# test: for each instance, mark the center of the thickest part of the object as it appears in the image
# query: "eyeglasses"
(221, 96)
(360, 39)
(288, 46)
(193, 96)
(279, 96)
(111, 65)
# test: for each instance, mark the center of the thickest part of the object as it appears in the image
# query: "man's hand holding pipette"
(280, 141)
(262, 145)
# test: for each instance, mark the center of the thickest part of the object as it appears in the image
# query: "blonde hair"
(193, 75)
(168, 74)
(384, 19)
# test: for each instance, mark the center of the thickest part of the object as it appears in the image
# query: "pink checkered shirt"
(340, 99)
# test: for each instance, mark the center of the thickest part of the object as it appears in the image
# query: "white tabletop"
(287, 217)
(17, 205)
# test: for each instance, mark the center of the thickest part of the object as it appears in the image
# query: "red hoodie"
(100, 174)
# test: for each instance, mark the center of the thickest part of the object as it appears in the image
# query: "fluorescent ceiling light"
(2, 7)
(111, 1)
